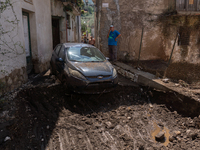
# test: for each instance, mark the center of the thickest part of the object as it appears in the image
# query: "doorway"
(56, 31)
(27, 38)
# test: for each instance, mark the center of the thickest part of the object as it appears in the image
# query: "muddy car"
(83, 68)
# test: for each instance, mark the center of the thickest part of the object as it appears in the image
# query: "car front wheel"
(52, 72)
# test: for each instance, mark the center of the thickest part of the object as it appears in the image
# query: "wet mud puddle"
(165, 141)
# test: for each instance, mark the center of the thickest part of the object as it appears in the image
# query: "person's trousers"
(112, 52)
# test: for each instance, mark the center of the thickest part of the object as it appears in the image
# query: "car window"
(85, 54)
(57, 49)
(62, 53)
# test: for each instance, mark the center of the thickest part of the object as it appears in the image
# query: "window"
(188, 5)
(68, 21)
(184, 36)
(58, 49)
(62, 53)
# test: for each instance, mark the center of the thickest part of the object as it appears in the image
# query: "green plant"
(83, 27)
(9, 44)
(67, 8)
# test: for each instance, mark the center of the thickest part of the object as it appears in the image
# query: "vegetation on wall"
(10, 46)
(78, 3)
(8, 43)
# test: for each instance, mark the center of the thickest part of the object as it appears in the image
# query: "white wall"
(12, 54)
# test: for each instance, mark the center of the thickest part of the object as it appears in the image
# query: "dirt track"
(49, 117)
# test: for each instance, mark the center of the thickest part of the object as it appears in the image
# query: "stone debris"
(176, 84)
(129, 118)
(165, 80)
(7, 139)
(117, 120)
(177, 133)
(150, 105)
(160, 136)
(172, 138)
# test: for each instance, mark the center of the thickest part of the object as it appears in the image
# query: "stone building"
(162, 21)
(29, 30)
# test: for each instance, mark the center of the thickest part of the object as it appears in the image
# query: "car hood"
(94, 68)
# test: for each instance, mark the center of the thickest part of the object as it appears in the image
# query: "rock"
(177, 133)
(165, 80)
(178, 139)
(188, 131)
(176, 84)
(129, 118)
(7, 138)
(150, 105)
(193, 135)
(172, 138)
(109, 125)
(160, 136)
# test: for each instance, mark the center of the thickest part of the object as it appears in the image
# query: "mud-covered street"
(48, 116)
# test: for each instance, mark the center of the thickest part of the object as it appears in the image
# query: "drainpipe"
(140, 47)
(66, 26)
(172, 50)
(171, 55)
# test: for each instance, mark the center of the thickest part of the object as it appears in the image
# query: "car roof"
(77, 45)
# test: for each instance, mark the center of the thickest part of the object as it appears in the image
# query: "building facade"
(30, 29)
(155, 25)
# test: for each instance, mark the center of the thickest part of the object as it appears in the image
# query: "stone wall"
(13, 80)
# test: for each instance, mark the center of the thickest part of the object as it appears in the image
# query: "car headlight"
(76, 74)
(114, 73)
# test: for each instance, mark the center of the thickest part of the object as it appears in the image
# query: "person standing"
(92, 41)
(113, 36)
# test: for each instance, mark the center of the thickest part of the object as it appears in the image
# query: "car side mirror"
(107, 58)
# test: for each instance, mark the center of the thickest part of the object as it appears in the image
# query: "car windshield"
(85, 54)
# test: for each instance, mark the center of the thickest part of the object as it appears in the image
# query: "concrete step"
(150, 80)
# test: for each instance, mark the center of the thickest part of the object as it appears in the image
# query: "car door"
(61, 56)
(55, 57)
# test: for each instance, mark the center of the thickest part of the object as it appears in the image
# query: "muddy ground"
(47, 116)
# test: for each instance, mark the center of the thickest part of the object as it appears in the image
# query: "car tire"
(52, 72)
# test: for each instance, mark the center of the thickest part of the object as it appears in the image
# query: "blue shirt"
(112, 37)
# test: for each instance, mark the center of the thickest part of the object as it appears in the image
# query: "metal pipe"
(140, 46)
(172, 50)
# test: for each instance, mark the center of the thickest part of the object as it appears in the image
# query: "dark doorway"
(27, 41)
(56, 31)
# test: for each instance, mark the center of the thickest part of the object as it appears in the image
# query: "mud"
(49, 117)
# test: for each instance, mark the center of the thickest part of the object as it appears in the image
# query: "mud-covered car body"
(83, 68)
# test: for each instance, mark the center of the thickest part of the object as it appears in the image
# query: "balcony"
(188, 5)
(72, 6)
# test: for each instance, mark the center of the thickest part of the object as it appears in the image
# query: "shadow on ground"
(39, 110)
